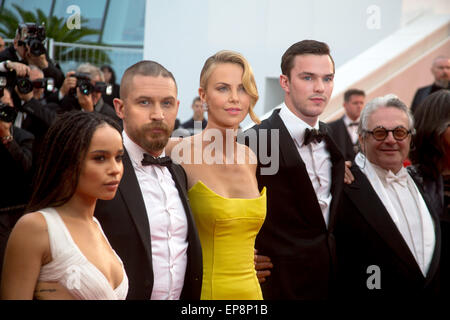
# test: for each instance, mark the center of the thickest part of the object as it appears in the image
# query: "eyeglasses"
(380, 133)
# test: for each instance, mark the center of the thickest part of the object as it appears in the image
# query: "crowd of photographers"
(33, 91)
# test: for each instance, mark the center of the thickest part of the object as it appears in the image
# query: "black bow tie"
(149, 160)
(313, 135)
(351, 124)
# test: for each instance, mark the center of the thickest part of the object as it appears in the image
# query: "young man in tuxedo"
(388, 238)
(149, 222)
(345, 129)
(302, 195)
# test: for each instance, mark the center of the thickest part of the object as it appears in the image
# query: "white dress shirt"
(315, 156)
(352, 130)
(405, 205)
(168, 224)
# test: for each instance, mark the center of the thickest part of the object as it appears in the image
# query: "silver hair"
(390, 100)
(92, 70)
(33, 67)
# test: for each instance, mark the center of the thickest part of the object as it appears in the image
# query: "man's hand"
(22, 70)
(39, 61)
(69, 83)
(262, 264)
(85, 101)
(348, 177)
(5, 129)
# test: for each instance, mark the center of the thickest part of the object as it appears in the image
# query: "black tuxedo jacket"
(294, 234)
(419, 96)
(15, 181)
(125, 223)
(366, 235)
(342, 139)
(15, 163)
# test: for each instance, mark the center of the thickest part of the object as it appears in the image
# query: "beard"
(155, 142)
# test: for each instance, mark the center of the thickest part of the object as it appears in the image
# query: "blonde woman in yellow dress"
(223, 191)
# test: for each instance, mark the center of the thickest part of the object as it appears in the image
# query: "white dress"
(70, 268)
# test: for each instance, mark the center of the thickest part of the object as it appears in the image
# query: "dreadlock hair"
(60, 160)
(432, 120)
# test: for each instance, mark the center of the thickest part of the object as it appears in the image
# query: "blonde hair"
(248, 79)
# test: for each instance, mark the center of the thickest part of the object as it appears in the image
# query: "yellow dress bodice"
(227, 228)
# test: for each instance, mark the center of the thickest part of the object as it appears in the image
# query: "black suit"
(342, 139)
(15, 180)
(422, 93)
(15, 165)
(419, 96)
(125, 223)
(294, 234)
(366, 235)
(38, 120)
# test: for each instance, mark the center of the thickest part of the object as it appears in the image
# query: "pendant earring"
(205, 106)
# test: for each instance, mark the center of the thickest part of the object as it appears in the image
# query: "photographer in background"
(41, 85)
(28, 49)
(82, 90)
(32, 115)
(15, 165)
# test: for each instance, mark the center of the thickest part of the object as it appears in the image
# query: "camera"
(85, 85)
(47, 83)
(7, 113)
(34, 36)
(84, 82)
(24, 85)
(100, 86)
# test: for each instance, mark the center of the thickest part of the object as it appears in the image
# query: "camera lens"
(85, 87)
(24, 85)
(36, 47)
(39, 83)
(7, 113)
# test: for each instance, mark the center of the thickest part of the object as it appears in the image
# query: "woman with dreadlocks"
(58, 250)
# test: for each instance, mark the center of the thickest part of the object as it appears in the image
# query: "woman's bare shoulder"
(33, 221)
(30, 233)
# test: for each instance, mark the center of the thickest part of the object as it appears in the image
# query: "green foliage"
(56, 29)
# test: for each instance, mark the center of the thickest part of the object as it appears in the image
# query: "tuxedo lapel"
(291, 161)
(132, 196)
(194, 267)
(435, 261)
(372, 209)
(337, 172)
(180, 182)
(289, 155)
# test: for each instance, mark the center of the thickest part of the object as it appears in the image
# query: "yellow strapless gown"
(227, 228)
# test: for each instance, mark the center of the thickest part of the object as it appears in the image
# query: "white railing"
(70, 55)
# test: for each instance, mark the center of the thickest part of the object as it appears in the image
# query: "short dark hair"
(197, 98)
(432, 118)
(145, 68)
(300, 48)
(63, 150)
(350, 92)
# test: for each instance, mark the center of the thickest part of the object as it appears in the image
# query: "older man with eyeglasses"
(387, 236)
